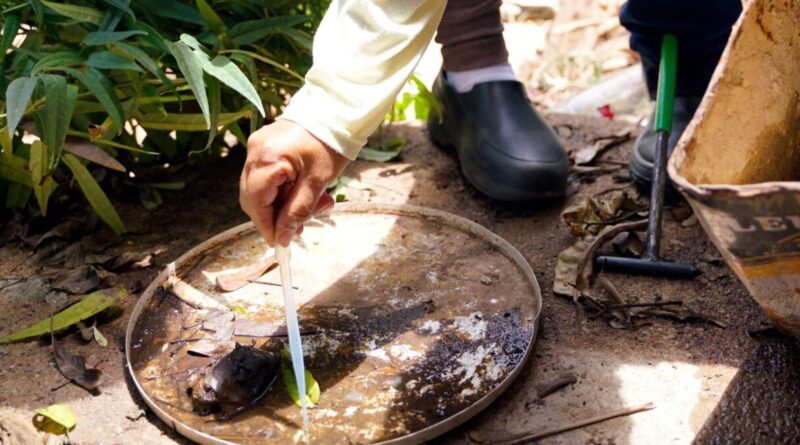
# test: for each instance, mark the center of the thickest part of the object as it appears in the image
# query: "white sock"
(463, 81)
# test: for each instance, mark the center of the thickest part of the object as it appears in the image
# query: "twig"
(549, 388)
(267, 283)
(611, 307)
(528, 437)
(615, 295)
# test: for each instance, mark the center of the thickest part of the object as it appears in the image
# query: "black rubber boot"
(645, 147)
(506, 150)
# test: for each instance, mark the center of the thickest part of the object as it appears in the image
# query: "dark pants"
(471, 36)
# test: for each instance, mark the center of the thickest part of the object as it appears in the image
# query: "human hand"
(284, 179)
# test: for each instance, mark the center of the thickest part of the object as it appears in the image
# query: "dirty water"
(417, 326)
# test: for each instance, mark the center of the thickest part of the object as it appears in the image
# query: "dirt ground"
(703, 379)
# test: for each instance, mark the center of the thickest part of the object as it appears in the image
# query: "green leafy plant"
(131, 85)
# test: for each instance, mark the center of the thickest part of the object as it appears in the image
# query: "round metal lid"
(414, 320)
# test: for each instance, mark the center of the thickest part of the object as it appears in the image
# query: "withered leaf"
(70, 229)
(628, 243)
(588, 153)
(233, 279)
(93, 153)
(128, 260)
(73, 367)
(80, 280)
(587, 215)
(574, 266)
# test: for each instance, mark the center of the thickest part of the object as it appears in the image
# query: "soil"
(703, 379)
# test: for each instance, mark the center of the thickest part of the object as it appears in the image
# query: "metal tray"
(417, 320)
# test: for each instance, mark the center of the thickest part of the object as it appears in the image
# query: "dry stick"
(612, 290)
(536, 436)
(267, 283)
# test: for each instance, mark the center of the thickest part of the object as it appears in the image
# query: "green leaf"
(106, 60)
(371, 154)
(18, 95)
(59, 59)
(213, 21)
(103, 37)
(299, 37)
(79, 13)
(266, 60)
(226, 71)
(88, 306)
(147, 62)
(251, 31)
(99, 85)
(18, 196)
(55, 419)
(122, 6)
(215, 106)
(172, 9)
(177, 185)
(38, 9)
(10, 28)
(99, 338)
(187, 122)
(94, 194)
(13, 168)
(193, 72)
(43, 185)
(424, 93)
(58, 109)
(312, 387)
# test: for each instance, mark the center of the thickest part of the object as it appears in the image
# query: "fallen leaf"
(77, 281)
(99, 338)
(233, 279)
(70, 229)
(574, 266)
(73, 366)
(93, 153)
(628, 243)
(55, 419)
(375, 155)
(587, 215)
(589, 152)
(312, 387)
(128, 260)
(88, 306)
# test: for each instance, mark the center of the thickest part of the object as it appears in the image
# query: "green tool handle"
(665, 96)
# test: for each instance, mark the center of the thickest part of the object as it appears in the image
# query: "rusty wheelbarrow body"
(738, 163)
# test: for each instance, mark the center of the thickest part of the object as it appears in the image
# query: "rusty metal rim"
(414, 438)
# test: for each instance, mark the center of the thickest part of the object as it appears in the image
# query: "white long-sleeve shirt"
(364, 51)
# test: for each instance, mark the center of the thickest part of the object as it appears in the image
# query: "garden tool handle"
(665, 93)
(665, 99)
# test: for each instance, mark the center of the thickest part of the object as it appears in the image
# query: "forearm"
(364, 51)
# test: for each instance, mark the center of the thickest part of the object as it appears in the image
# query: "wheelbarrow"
(738, 162)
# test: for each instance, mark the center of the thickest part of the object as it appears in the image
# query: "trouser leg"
(471, 34)
(702, 28)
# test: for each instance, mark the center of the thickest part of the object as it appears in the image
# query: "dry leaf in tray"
(233, 279)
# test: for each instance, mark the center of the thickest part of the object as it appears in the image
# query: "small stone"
(486, 279)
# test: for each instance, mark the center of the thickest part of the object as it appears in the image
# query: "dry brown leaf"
(587, 215)
(73, 367)
(233, 279)
(588, 153)
(77, 281)
(574, 267)
(93, 153)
